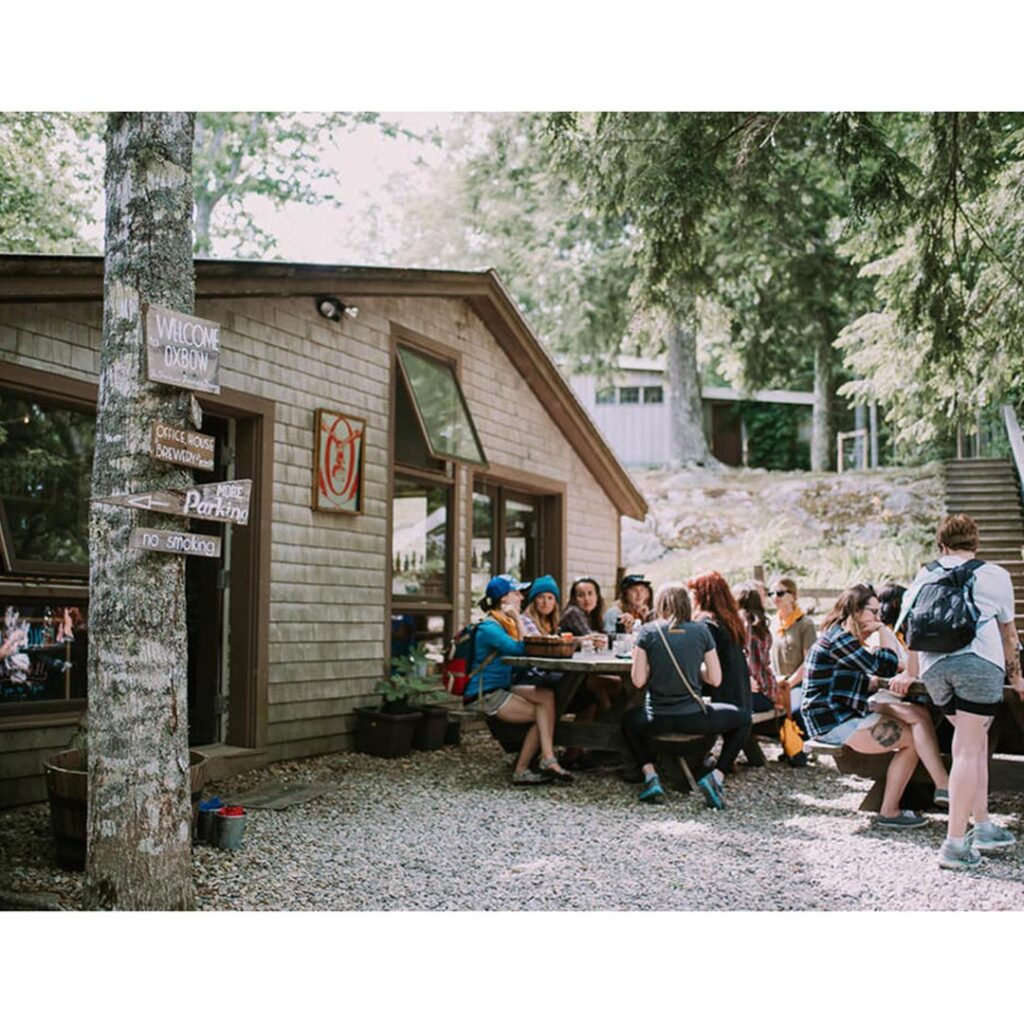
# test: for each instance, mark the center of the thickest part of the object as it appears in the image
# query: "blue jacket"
(490, 636)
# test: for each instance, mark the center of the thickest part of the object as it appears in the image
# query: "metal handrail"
(1013, 434)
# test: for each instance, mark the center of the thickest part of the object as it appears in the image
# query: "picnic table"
(1005, 743)
(682, 754)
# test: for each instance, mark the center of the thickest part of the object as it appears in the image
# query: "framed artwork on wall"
(339, 444)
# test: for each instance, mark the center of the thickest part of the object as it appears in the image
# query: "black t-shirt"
(667, 694)
(735, 688)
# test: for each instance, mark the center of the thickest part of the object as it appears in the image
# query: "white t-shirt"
(993, 594)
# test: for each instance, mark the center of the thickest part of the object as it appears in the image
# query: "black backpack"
(944, 617)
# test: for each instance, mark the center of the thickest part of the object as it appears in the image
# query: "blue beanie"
(544, 585)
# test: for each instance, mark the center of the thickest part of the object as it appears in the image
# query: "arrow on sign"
(154, 501)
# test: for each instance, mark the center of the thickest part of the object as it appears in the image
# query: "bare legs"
(532, 704)
(923, 733)
(889, 736)
(968, 779)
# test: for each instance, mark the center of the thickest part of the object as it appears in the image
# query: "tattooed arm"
(1008, 633)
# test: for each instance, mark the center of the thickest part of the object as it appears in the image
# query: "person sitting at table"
(888, 701)
(491, 688)
(764, 691)
(840, 675)
(793, 635)
(583, 616)
(541, 614)
(635, 604)
(671, 655)
(714, 605)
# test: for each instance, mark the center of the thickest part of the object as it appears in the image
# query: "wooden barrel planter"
(67, 786)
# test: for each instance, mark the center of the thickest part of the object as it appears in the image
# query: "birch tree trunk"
(689, 445)
(139, 847)
(821, 421)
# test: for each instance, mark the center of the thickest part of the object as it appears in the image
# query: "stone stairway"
(989, 492)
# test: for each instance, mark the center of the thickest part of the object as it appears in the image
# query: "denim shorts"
(965, 682)
(844, 730)
(491, 702)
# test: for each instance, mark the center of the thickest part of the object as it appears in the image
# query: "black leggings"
(732, 722)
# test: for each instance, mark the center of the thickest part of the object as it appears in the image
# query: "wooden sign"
(225, 502)
(175, 543)
(339, 448)
(181, 350)
(182, 447)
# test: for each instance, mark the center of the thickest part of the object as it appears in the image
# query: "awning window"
(441, 408)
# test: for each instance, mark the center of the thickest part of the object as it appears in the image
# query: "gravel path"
(445, 831)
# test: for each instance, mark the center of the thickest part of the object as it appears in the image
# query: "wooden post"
(873, 424)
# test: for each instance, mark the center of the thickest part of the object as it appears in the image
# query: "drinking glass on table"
(586, 645)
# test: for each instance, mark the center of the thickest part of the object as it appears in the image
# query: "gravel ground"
(445, 831)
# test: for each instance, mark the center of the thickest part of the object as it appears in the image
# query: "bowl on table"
(549, 647)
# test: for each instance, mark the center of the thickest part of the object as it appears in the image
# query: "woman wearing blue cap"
(501, 634)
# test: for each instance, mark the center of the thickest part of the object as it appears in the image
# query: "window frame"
(402, 602)
(630, 387)
(452, 366)
(30, 385)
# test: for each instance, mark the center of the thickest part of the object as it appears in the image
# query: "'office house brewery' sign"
(182, 447)
(182, 350)
(175, 543)
(226, 502)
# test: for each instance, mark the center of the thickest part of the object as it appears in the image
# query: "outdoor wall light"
(335, 309)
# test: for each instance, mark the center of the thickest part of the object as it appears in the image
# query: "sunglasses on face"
(780, 593)
(873, 611)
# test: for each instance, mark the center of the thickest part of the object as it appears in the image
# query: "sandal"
(551, 769)
(528, 777)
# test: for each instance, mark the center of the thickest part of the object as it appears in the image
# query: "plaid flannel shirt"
(759, 662)
(836, 678)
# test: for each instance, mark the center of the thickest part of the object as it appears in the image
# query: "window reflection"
(45, 469)
(482, 568)
(45, 650)
(420, 539)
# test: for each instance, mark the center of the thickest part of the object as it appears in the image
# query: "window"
(45, 469)
(629, 396)
(419, 544)
(654, 395)
(448, 428)
(605, 396)
(50, 651)
(511, 525)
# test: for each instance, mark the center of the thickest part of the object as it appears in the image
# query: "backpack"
(944, 617)
(459, 656)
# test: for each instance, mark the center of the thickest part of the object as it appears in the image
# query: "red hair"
(713, 596)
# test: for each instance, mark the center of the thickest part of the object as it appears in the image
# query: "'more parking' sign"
(182, 350)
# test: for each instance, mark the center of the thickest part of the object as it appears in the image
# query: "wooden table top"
(591, 663)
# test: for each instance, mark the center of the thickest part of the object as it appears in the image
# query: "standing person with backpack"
(958, 618)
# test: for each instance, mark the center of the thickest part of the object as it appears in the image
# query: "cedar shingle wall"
(329, 572)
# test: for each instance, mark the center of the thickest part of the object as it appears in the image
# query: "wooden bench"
(682, 755)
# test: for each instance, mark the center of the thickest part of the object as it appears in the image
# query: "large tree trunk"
(139, 847)
(821, 422)
(689, 445)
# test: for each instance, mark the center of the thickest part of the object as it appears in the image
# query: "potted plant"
(388, 731)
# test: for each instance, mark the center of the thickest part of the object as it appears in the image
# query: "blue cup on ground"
(207, 825)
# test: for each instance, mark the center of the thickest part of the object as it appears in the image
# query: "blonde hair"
(547, 624)
(672, 602)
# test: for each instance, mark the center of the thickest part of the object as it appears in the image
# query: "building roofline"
(47, 278)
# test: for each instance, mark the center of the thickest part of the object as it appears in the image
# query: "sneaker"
(528, 777)
(905, 820)
(988, 836)
(941, 798)
(958, 855)
(713, 795)
(652, 793)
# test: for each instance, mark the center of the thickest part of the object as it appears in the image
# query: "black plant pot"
(384, 734)
(453, 733)
(430, 729)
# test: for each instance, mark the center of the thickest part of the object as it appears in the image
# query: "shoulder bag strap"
(472, 675)
(682, 674)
